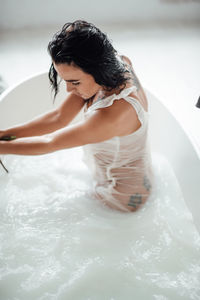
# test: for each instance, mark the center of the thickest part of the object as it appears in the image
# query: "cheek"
(88, 87)
(91, 88)
(83, 89)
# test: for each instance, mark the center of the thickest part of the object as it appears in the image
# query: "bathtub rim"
(15, 85)
(187, 131)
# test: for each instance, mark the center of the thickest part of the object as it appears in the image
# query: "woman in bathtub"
(114, 132)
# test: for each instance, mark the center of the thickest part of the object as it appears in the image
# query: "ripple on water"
(57, 242)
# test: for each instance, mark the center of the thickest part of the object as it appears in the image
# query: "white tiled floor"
(166, 61)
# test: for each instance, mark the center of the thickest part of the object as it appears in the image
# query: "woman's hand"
(2, 133)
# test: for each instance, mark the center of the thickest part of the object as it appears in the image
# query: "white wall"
(36, 13)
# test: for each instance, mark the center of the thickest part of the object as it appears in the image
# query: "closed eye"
(72, 82)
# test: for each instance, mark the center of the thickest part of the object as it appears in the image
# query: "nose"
(69, 87)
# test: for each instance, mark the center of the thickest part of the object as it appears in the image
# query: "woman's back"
(121, 166)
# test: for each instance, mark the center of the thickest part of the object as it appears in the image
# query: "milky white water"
(56, 242)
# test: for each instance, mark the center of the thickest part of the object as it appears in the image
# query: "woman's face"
(77, 81)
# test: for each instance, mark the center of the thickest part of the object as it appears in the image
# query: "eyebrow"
(72, 80)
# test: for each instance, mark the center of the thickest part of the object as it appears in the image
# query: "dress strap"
(108, 101)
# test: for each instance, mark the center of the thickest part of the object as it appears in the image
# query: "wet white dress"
(121, 166)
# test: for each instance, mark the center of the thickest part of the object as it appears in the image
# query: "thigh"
(131, 196)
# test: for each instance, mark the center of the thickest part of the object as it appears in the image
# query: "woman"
(114, 130)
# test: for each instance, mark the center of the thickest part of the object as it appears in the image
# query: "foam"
(57, 242)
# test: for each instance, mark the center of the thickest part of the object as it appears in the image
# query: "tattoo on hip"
(135, 200)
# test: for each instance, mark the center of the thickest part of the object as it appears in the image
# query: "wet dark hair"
(82, 44)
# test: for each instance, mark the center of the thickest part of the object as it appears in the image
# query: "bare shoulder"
(134, 79)
(124, 57)
(122, 115)
(140, 94)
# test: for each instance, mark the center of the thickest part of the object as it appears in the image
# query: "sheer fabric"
(121, 166)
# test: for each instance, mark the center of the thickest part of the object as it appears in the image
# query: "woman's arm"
(38, 126)
(103, 124)
(48, 122)
(99, 127)
(36, 145)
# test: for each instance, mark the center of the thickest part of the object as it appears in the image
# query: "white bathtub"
(32, 97)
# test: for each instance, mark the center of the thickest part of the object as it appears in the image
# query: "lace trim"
(108, 101)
